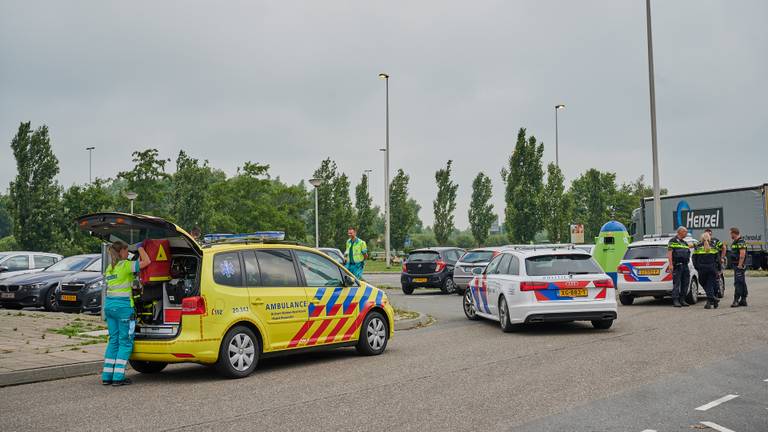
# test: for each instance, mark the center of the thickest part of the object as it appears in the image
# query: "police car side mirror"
(349, 281)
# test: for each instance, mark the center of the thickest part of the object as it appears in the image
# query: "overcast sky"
(289, 83)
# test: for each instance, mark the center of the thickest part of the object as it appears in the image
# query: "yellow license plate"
(69, 297)
(419, 279)
(576, 292)
(648, 272)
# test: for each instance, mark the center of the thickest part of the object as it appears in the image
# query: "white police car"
(542, 283)
(643, 271)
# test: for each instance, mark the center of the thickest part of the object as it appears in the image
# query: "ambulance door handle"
(257, 301)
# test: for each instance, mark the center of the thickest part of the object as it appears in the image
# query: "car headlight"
(96, 285)
(35, 286)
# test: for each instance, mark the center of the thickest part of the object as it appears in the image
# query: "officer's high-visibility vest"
(120, 279)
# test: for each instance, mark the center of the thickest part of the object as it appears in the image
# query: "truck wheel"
(693, 292)
(239, 353)
(626, 300)
(147, 367)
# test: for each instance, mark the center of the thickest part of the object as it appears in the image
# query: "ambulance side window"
(252, 274)
(277, 268)
(226, 269)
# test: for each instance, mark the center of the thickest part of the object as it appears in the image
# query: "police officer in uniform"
(705, 259)
(678, 255)
(720, 246)
(739, 261)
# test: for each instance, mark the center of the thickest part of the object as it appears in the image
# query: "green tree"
(481, 215)
(191, 192)
(402, 216)
(628, 197)
(80, 200)
(34, 192)
(6, 223)
(593, 196)
(334, 204)
(343, 213)
(556, 206)
(365, 212)
(445, 204)
(523, 179)
(150, 181)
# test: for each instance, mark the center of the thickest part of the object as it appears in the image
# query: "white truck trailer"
(745, 208)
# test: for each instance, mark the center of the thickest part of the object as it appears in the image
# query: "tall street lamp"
(654, 149)
(385, 77)
(90, 163)
(316, 182)
(132, 197)
(557, 138)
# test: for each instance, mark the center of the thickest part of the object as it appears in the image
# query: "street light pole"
(385, 77)
(557, 138)
(654, 148)
(316, 182)
(90, 163)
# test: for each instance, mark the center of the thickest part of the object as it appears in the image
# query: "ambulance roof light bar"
(254, 237)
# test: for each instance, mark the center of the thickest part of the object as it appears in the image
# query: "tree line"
(37, 213)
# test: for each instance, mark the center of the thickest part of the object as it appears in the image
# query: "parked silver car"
(18, 262)
(476, 258)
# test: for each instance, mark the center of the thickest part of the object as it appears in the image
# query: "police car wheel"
(626, 300)
(602, 324)
(693, 292)
(374, 335)
(147, 367)
(239, 353)
(469, 308)
(506, 326)
(721, 287)
(449, 286)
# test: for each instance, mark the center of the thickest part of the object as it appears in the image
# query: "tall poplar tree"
(402, 212)
(481, 215)
(523, 178)
(556, 206)
(364, 207)
(445, 204)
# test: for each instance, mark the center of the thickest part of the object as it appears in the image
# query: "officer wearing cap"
(738, 258)
(679, 255)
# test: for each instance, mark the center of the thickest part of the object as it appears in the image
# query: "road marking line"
(766, 380)
(717, 427)
(650, 430)
(716, 402)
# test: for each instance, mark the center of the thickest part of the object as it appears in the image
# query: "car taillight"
(405, 269)
(193, 306)
(495, 254)
(623, 269)
(604, 283)
(439, 266)
(533, 286)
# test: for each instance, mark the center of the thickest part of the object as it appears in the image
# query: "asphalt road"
(649, 372)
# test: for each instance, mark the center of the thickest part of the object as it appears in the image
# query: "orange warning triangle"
(161, 254)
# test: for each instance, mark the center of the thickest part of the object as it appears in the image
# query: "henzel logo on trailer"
(697, 218)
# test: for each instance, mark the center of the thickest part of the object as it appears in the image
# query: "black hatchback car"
(430, 268)
(81, 292)
(38, 289)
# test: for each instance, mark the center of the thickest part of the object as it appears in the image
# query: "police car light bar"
(655, 236)
(258, 236)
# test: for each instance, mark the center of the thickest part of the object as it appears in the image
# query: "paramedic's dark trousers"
(739, 284)
(681, 277)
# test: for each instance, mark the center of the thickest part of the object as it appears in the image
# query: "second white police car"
(542, 283)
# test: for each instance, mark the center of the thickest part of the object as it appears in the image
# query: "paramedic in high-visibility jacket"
(119, 312)
(355, 254)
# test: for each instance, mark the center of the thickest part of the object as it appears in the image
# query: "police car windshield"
(423, 256)
(552, 265)
(646, 252)
(476, 257)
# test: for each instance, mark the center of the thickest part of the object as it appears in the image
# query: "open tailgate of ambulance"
(132, 229)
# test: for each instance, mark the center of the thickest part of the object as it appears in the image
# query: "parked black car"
(430, 268)
(81, 292)
(38, 289)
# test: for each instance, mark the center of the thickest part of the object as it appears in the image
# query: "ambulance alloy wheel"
(147, 367)
(239, 353)
(469, 307)
(374, 335)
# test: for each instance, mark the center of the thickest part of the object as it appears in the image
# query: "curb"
(412, 323)
(50, 373)
(29, 376)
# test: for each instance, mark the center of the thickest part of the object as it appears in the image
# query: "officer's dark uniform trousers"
(681, 275)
